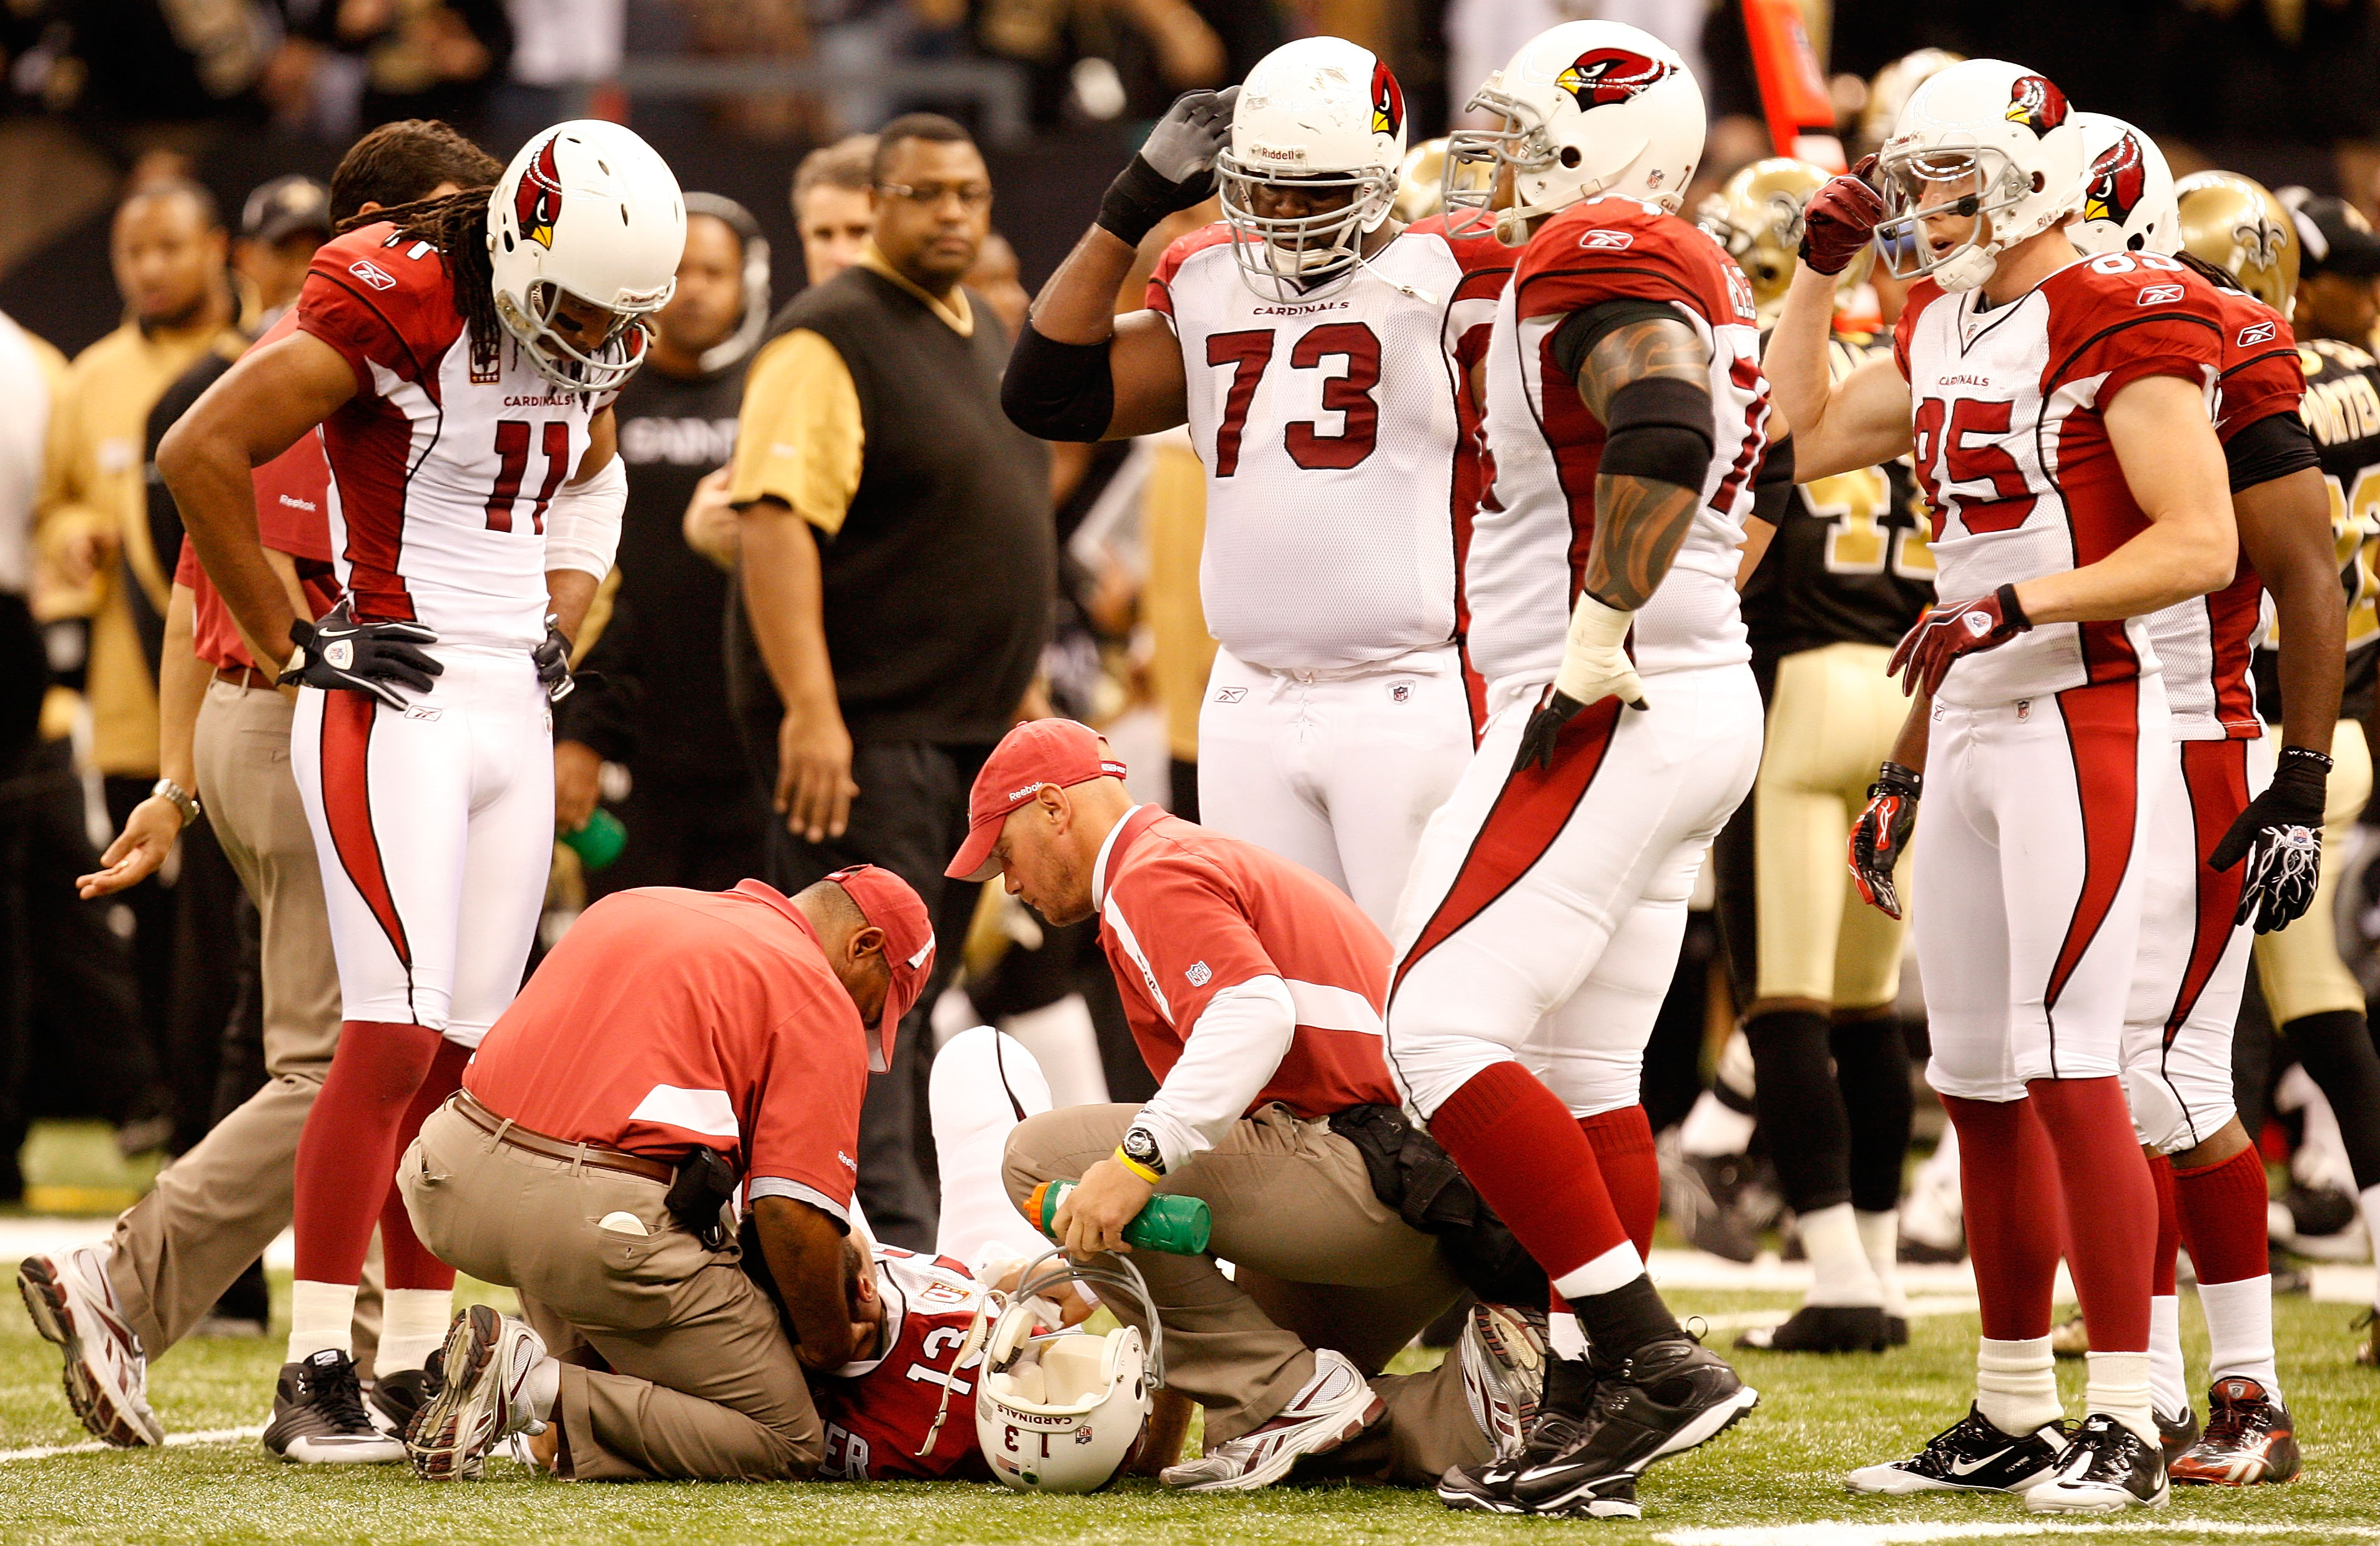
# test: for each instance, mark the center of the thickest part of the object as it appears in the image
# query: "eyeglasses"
(971, 196)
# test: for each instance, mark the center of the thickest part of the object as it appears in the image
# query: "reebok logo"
(1022, 790)
(296, 504)
(2157, 295)
(1608, 241)
(1231, 695)
(2258, 333)
(373, 273)
(423, 711)
(847, 1161)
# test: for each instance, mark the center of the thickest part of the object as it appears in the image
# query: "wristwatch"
(183, 800)
(1139, 1150)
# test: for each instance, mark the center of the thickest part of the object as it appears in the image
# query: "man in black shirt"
(660, 707)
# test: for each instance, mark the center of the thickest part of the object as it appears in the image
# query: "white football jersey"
(443, 467)
(1341, 469)
(2011, 448)
(1531, 538)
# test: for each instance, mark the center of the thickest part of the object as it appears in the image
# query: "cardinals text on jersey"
(443, 465)
(1530, 540)
(2012, 451)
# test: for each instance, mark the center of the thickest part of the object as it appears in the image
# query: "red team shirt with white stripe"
(2012, 451)
(443, 465)
(1186, 913)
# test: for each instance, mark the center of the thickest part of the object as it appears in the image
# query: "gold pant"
(2298, 967)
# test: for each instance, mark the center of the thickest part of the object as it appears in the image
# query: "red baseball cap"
(1060, 751)
(887, 903)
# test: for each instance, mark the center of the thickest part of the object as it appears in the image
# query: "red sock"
(2168, 1235)
(1523, 1149)
(2110, 1206)
(348, 1153)
(404, 1257)
(2007, 1178)
(1623, 1141)
(2222, 1211)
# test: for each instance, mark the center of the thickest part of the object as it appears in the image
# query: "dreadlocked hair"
(456, 225)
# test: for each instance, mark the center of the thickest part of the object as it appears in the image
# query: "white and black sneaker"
(1664, 1399)
(1567, 1397)
(1502, 1356)
(1336, 1405)
(1970, 1456)
(484, 1400)
(2105, 1469)
(319, 1417)
(73, 1303)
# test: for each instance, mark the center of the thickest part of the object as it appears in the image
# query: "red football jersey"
(880, 1412)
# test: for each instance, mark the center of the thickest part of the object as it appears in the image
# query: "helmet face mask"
(1289, 258)
(1928, 187)
(553, 354)
(1310, 170)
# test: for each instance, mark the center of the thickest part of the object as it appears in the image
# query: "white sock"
(1880, 1238)
(2016, 1385)
(543, 1388)
(320, 1315)
(1616, 1268)
(413, 1325)
(1565, 1338)
(2118, 1387)
(2240, 1332)
(2168, 1383)
(1713, 1128)
(1839, 1271)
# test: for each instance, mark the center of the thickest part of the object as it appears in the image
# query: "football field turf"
(1774, 1480)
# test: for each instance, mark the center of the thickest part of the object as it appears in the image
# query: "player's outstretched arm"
(2174, 467)
(1859, 421)
(1080, 372)
(257, 410)
(2285, 534)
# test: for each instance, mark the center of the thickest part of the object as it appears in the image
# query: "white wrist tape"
(1595, 654)
(582, 527)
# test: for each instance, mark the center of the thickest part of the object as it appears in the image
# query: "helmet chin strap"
(1967, 271)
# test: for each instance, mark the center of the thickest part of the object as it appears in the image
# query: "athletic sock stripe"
(347, 721)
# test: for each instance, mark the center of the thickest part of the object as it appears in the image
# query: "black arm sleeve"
(1058, 391)
(1772, 488)
(2272, 447)
(1581, 331)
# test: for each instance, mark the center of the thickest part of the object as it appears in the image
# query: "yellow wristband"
(1152, 1177)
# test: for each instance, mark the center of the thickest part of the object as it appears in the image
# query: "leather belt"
(245, 677)
(593, 1156)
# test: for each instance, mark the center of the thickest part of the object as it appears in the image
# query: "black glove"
(339, 652)
(1881, 836)
(2280, 836)
(1175, 165)
(1545, 727)
(553, 659)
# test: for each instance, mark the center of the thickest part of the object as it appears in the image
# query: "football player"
(2058, 408)
(1626, 416)
(459, 356)
(1843, 577)
(1319, 352)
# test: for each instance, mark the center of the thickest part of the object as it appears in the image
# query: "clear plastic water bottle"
(1178, 1224)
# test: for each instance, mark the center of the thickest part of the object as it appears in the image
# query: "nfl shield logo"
(1401, 692)
(1199, 974)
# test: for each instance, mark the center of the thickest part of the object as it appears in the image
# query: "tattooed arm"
(1645, 375)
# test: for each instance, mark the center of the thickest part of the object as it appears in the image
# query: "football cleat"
(2249, 1438)
(2175, 1435)
(1336, 1405)
(73, 1304)
(1896, 1331)
(1825, 1329)
(1566, 1397)
(1664, 1399)
(1717, 1200)
(319, 1417)
(481, 1402)
(1970, 1456)
(398, 1395)
(1503, 1360)
(2105, 1469)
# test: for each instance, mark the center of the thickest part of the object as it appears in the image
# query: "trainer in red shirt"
(1249, 980)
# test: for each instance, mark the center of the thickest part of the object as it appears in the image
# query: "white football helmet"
(1590, 108)
(590, 209)
(1063, 1411)
(1984, 140)
(1325, 114)
(2128, 198)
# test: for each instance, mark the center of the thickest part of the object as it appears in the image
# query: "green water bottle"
(599, 843)
(1178, 1224)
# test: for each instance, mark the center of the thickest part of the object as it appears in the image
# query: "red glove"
(1948, 631)
(1840, 219)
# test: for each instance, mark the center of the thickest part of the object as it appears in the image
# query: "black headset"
(748, 336)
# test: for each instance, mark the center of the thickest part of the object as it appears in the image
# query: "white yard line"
(1849, 1533)
(92, 1446)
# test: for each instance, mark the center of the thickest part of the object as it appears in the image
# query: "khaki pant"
(674, 1365)
(215, 1210)
(1318, 1263)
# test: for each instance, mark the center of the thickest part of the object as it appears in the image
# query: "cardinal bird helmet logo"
(1387, 101)
(538, 201)
(1603, 76)
(2036, 102)
(2118, 179)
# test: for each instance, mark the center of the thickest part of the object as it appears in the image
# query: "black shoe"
(1825, 1329)
(2176, 1435)
(1970, 1456)
(1563, 1405)
(1663, 1399)
(398, 1397)
(319, 1417)
(1717, 1202)
(1896, 1331)
(2106, 1467)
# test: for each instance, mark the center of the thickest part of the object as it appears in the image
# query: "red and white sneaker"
(2249, 1438)
(1334, 1407)
(489, 1363)
(1502, 1352)
(73, 1304)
